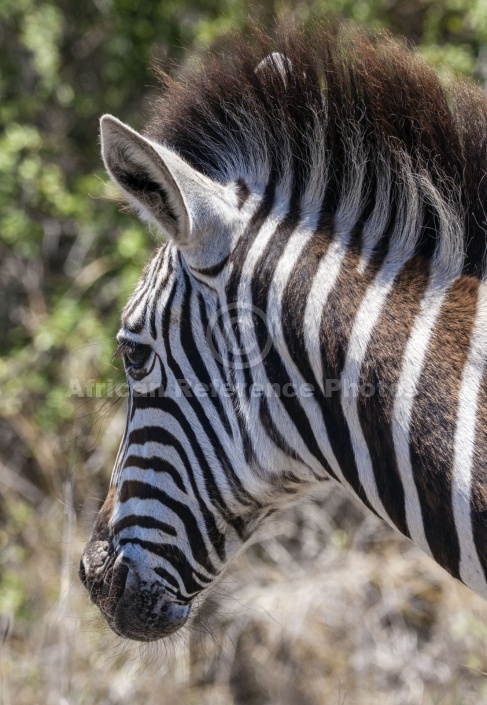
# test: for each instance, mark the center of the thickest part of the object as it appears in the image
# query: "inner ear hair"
(137, 180)
(141, 172)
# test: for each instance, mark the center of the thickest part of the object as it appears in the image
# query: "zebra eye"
(136, 356)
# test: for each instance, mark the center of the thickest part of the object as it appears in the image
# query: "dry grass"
(326, 607)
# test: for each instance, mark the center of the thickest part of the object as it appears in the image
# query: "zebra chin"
(134, 607)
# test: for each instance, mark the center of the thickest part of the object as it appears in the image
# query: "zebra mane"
(353, 125)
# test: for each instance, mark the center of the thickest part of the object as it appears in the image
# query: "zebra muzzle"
(134, 607)
(146, 611)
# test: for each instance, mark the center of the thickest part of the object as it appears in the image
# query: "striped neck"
(370, 353)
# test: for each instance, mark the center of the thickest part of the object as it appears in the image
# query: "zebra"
(316, 311)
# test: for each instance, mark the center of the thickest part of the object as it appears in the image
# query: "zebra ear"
(162, 186)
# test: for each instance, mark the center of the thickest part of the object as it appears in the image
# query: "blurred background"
(327, 606)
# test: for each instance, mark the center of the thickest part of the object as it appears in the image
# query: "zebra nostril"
(82, 573)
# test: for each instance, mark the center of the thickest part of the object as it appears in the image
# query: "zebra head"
(309, 317)
(182, 498)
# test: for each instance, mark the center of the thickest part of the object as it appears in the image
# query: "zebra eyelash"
(128, 347)
(122, 349)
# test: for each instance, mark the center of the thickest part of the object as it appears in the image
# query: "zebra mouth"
(144, 610)
(134, 608)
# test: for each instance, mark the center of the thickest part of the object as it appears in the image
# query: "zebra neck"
(393, 357)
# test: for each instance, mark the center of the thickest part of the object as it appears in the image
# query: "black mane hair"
(354, 120)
